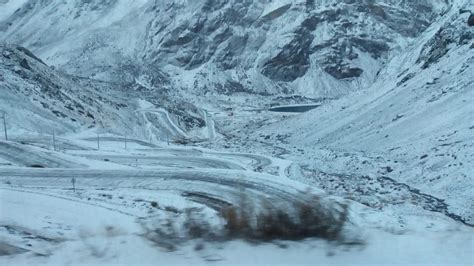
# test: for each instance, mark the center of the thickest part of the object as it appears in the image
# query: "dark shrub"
(257, 220)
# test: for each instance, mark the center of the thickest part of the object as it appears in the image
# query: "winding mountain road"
(223, 185)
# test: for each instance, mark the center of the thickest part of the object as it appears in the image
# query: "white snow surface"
(8, 7)
(100, 222)
(396, 143)
(422, 129)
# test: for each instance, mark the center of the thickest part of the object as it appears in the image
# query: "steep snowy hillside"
(378, 171)
(37, 98)
(319, 48)
(414, 57)
(414, 125)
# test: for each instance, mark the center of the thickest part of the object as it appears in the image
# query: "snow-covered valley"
(45, 221)
(127, 117)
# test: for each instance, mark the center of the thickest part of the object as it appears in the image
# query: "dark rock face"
(436, 48)
(311, 23)
(29, 53)
(406, 78)
(408, 21)
(343, 71)
(229, 56)
(374, 47)
(190, 44)
(453, 33)
(276, 13)
(343, 48)
(231, 87)
(466, 38)
(24, 64)
(218, 40)
(212, 5)
(90, 5)
(470, 20)
(293, 60)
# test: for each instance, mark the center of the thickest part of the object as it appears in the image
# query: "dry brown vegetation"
(255, 221)
(284, 221)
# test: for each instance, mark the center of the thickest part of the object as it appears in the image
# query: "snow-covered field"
(43, 220)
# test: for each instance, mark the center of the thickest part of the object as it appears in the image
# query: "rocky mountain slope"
(319, 48)
(38, 98)
(415, 124)
(392, 133)
(178, 53)
(401, 71)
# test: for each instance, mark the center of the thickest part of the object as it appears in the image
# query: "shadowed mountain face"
(314, 47)
(38, 98)
(185, 55)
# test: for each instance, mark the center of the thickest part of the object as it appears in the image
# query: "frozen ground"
(397, 146)
(42, 220)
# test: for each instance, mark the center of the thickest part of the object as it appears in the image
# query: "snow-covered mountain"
(392, 132)
(319, 48)
(38, 98)
(415, 124)
(149, 68)
(236, 51)
(176, 54)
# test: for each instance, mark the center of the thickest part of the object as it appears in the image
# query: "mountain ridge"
(311, 48)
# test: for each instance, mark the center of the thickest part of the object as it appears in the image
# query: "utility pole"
(167, 138)
(125, 142)
(54, 139)
(98, 142)
(5, 124)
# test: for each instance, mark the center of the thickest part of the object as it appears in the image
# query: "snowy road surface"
(99, 222)
(222, 184)
(21, 155)
(168, 161)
